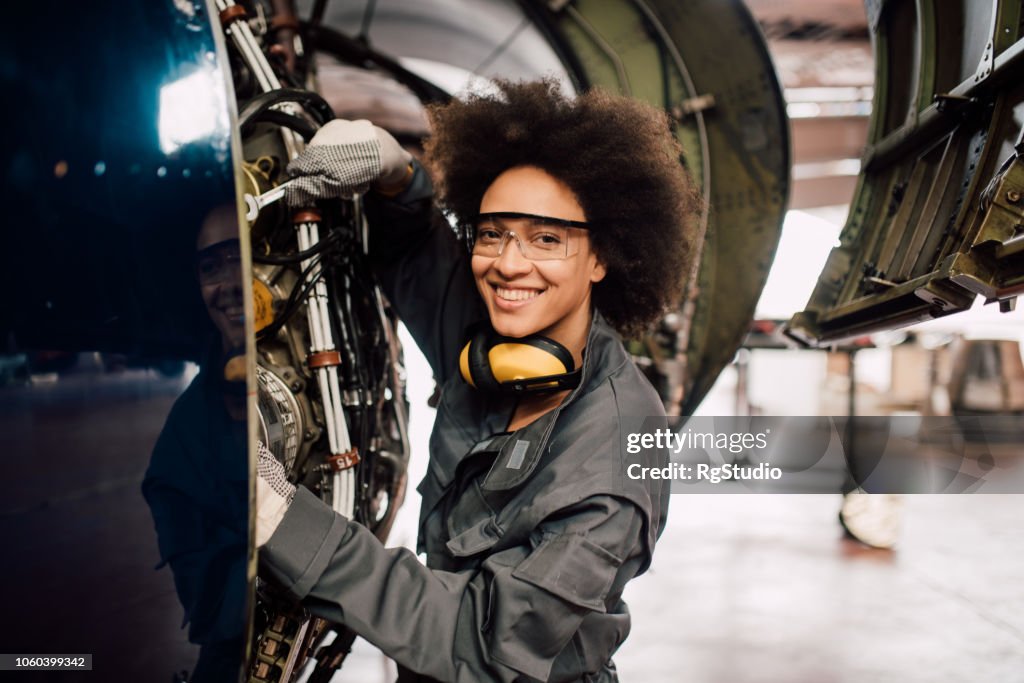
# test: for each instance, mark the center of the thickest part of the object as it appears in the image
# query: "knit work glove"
(346, 158)
(274, 493)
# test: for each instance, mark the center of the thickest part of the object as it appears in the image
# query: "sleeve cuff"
(418, 189)
(303, 544)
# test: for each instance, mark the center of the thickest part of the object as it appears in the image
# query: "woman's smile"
(512, 297)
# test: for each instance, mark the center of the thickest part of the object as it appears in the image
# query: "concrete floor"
(752, 589)
(79, 546)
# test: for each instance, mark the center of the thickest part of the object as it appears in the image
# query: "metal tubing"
(343, 487)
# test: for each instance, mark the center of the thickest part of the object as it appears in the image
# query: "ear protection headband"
(517, 365)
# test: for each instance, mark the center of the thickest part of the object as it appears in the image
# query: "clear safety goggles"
(540, 238)
(219, 263)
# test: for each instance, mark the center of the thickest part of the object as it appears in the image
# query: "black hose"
(298, 256)
(294, 299)
(347, 333)
(315, 105)
(301, 126)
(318, 12)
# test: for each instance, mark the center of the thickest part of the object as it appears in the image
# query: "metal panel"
(938, 205)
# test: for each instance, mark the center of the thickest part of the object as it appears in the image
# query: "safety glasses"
(219, 263)
(540, 238)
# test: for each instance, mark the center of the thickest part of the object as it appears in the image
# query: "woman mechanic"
(575, 214)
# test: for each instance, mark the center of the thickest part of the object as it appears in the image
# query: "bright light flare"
(193, 109)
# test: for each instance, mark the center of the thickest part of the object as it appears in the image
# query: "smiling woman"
(219, 271)
(530, 527)
(530, 295)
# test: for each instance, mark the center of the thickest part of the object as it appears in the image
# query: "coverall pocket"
(572, 568)
(537, 609)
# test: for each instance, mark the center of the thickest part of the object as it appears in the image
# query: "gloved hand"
(345, 158)
(274, 493)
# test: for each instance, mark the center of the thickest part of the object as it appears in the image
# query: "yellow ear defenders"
(517, 365)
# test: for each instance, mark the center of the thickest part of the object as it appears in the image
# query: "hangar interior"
(842, 275)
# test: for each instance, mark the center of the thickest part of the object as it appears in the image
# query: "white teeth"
(516, 294)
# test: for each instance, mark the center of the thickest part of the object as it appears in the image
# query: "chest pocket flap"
(475, 539)
(573, 568)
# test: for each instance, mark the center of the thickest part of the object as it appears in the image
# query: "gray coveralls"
(530, 536)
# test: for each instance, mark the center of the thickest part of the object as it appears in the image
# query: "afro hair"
(616, 154)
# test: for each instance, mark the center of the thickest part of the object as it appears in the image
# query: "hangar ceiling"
(822, 53)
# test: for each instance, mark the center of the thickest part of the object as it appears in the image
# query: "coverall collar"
(520, 451)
